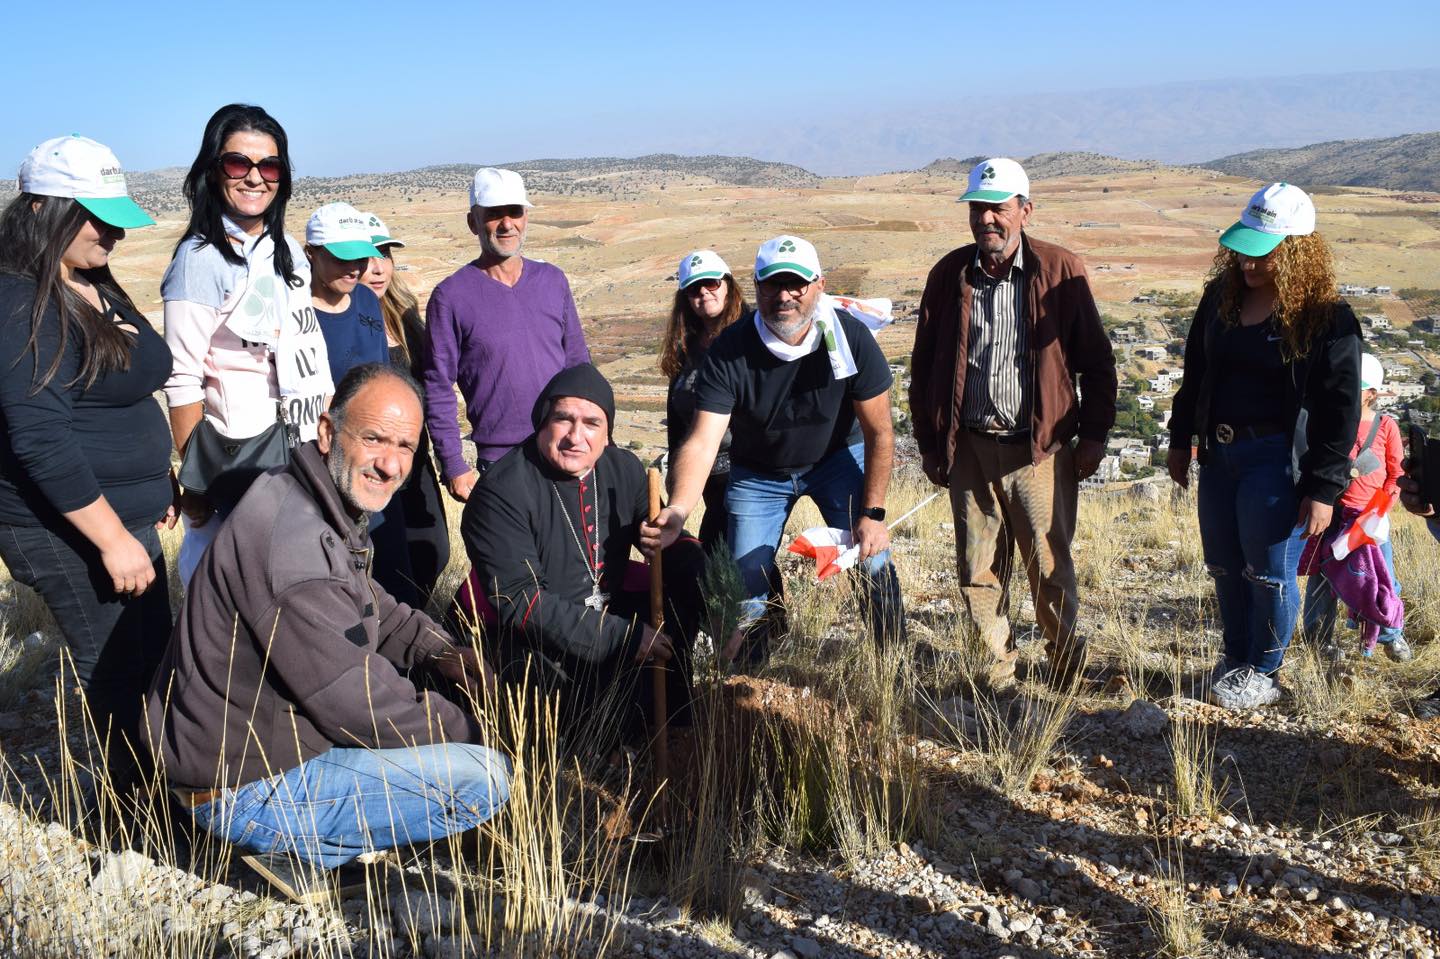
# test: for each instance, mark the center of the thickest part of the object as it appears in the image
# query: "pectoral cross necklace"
(597, 599)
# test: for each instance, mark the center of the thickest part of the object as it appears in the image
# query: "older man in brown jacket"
(1007, 325)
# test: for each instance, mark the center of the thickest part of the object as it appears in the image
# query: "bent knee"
(1262, 579)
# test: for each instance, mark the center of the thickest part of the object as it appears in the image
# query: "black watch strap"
(877, 513)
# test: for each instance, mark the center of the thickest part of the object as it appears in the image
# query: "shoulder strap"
(1374, 429)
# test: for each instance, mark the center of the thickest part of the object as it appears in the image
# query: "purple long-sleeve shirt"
(501, 344)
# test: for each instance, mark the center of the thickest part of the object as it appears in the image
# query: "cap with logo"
(995, 181)
(380, 233)
(787, 254)
(85, 171)
(702, 265)
(343, 230)
(1372, 374)
(1278, 211)
(492, 187)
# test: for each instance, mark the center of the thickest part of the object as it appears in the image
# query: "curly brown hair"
(685, 326)
(1305, 289)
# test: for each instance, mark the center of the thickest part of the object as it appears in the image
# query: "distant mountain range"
(1409, 162)
(1182, 122)
(1045, 166)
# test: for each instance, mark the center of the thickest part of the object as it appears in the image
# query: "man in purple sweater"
(501, 326)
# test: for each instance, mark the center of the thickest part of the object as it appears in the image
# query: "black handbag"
(223, 467)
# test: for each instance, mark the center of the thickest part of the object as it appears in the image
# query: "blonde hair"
(401, 310)
(1305, 289)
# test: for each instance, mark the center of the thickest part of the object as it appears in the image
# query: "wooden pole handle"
(661, 743)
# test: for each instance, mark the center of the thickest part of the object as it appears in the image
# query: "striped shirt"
(997, 375)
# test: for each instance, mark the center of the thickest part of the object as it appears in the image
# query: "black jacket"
(1322, 397)
(523, 546)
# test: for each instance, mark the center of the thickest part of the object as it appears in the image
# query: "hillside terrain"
(902, 809)
(1409, 162)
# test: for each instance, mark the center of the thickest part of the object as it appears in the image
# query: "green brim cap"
(987, 196)
(1248, 242)
(120, 212)
(352, 250)
(795, 268)
(707, 275)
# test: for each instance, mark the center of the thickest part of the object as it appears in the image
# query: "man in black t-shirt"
(805, 392)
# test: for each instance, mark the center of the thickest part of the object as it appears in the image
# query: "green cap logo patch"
(786, 246)
(988, 173)
(374, 220)
(695, 261)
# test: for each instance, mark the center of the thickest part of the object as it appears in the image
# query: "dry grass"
(831, 767)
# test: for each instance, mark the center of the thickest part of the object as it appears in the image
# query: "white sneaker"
(1253, 690)
(1223, 690)
(1399, 650)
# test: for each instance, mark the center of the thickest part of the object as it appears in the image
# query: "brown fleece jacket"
(1066, 341)
(286, 648)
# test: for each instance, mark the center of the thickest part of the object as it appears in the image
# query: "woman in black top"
(1272, 394)
(707, 301)
(85, 475)
(423, 509)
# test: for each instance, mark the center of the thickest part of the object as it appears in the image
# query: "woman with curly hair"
(707, 301)
(1271, 393)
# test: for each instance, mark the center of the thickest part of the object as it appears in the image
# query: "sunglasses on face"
(237, 166)
(700, 286)
(783, 283)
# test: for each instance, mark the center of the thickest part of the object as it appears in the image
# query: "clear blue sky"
(384, 86)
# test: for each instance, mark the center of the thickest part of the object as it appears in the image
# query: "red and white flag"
(833, 549)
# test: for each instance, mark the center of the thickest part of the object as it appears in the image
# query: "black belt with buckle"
(1012, 436)
(1225, 433)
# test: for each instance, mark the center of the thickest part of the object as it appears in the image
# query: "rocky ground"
(1322, 836)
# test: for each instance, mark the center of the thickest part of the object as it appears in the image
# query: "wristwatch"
(877, 513)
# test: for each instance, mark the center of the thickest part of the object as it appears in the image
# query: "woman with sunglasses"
(237, 305)
(1272, 394)
(339, 247)
(707, 301)
(85, 476)
(426, 530)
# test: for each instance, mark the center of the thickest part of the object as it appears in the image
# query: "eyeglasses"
(237, 166)
(784, 282)
(700, 286)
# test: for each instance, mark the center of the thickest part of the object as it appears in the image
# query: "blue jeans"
(1248, 532)
(330, 809)
(760, 504)
(1319, 617)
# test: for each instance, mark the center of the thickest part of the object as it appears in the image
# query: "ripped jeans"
(1248, 509)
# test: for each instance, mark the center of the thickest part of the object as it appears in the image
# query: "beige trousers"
(1001, 501)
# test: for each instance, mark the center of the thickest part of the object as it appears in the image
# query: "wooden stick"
(661, 743)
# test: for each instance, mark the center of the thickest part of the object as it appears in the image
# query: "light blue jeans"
(759, 506)
(330, 809)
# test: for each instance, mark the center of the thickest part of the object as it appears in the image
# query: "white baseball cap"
(995, 181)
(1278, 211)
(343, 230)
(492, 187)
(380, 233)
(787, 254)
(702, 265)
(1372, 374)
(85, 171)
